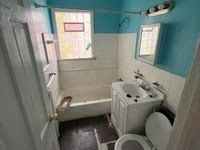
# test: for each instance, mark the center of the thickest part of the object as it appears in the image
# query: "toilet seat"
(158, 129)
(138, 139)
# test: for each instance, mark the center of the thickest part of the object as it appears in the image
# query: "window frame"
(158, 42)
(56, 33)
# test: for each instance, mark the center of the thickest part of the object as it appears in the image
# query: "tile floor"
(87, 134)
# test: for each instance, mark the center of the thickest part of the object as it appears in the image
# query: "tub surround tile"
(101, 71)
(87, 78)
(105, 51)
(105, 76)
(88, 93)
(112, 51)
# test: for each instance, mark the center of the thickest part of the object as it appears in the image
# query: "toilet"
(157, 128)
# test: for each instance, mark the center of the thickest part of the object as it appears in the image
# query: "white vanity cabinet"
(128, 116)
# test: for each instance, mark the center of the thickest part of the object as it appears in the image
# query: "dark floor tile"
(100, 122)
(81, 140)
(107, 134)
(84, 124)
(80, 135)
(68, 125)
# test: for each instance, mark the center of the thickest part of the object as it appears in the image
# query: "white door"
(25, 104)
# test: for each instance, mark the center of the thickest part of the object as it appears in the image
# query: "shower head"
(123, 21)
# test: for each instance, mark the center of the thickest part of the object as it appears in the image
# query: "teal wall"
(43, 25)
(181, 27)
(181, 31)
(45, 15)
(103, 22)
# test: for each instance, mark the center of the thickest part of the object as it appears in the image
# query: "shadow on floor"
(80, 134)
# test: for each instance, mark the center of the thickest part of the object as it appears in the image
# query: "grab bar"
(51, 75)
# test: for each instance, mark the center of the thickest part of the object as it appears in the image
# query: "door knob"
(53, 117)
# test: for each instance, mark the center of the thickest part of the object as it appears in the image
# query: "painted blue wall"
(42, 25)
(45, 13)
(103, 22)
(181, 31)
(181, 27)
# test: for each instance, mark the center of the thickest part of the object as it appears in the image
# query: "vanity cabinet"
(130, 118)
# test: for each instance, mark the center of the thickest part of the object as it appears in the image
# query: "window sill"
(92, 58)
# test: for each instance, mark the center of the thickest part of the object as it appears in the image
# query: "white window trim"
(56, 35)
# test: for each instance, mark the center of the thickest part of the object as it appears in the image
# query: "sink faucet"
(145, 86)
(138, 74)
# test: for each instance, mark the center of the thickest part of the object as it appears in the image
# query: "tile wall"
(171, 84)
(115, 58)
(102, 71)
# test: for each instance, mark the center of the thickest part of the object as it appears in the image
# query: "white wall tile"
(105, 48)
(171, 84)
(88, 93)
(126, 47)
(112, 50)
(91, 73)
(52, 68)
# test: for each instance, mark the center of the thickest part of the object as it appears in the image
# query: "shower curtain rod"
(89, 9)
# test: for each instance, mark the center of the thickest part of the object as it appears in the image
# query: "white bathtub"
(86, 102)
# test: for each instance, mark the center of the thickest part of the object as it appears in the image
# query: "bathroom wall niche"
(148, 43)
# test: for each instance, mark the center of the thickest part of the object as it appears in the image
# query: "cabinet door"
(122, 116)
(114, 95)
(116, 114)
(115, 109)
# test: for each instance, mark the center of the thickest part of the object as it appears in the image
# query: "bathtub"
(86, 102)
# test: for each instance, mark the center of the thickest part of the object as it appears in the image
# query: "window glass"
(74, 34)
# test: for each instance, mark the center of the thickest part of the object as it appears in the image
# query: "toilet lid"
(158, 129)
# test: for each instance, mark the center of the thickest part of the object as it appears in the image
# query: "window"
(148, 44)
(74, 33)
(149, 39)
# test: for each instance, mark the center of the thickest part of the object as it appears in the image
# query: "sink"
(132, 93)
(132, 90)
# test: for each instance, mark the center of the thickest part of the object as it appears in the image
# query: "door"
(28, 85)
(186, 129)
